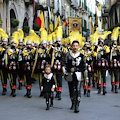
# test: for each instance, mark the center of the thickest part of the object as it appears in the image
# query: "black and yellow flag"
(103, 26)
(96, 21)
(92, 28)
(51, 23)
(99, 5)
(58, 23)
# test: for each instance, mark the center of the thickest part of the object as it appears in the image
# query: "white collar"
(74, 55)
(48, 76)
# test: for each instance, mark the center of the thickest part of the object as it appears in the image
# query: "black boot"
(13, 93)
(116, 89)
(26, 93)
(84, 91)
(113, 88)
(51, 100)
(47, 108)
(20, 86)
(29, 93)
(47, 101)
(99, 90)
(88, 93)
(4, 91)
(41, 94)
(73, 104)
(56, 96)
(76, 110)
(93, 84)
(59, 95)
(104, 90)
(97, 85)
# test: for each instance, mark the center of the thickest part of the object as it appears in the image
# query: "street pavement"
(97, 107)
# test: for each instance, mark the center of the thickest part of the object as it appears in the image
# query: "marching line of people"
(50, 58)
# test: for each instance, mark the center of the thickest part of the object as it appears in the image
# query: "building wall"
(3, 15)
(21, 11)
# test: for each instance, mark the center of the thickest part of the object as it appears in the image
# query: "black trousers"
(48, 95)
(13, 77)
(75, 88)
(4, 80)
(28, 81)
(116, 73)
(59, 80)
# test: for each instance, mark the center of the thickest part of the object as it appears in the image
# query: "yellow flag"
(99, 5)
(40, 21)
(58, 23)
(51, 23)
(92, 28)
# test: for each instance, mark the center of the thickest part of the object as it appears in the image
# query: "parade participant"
(102, 63)
(48, 85)
(27, 60)
(59, 52)
(89, 63)
(95, 77)
(114, 60)
(42, 58)
(114, 65)
(74, 63)
(20, 49)
(3, 50)
(12, 66)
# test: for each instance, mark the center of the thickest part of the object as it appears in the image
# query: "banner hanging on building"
(1, 1)
(74, 24)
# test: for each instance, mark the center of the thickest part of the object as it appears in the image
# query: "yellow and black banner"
(74, 24)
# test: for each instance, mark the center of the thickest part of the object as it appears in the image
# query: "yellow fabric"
(40, 51)
(94, 54)
(41, 16)
(92, 28)
(10, 78)
(1, 49)
(107, 49)
(58, 23)
(50, 27)
(21, 33)
(40, 80)
(43, 34)
(87, 54)
(112, 76)
(34, 65)
(103, 26)
(52, 59)
(59, 31)
(64, 50)
(9, 52)
(3, 34)
(115, 33)
(25, 80)
(2, 79)
(99, 76)
(99, 6)
(25, 53)
(55, 80)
